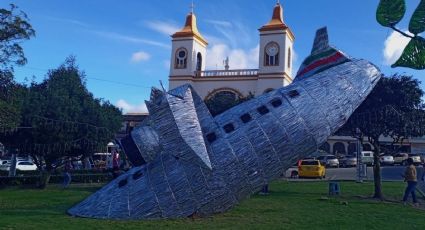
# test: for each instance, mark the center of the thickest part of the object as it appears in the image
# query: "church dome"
(276, 23)
(190, 29)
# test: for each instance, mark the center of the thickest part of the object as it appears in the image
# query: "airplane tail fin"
(322, 57)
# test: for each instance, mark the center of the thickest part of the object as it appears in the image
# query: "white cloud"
(295, 63)
(131, 39)
(238, 58)
(219, 23)
(233, 33)
(162, 27)
(140, 56)
(129, 108)
(167, 64)
(68, 20)
(394, 46)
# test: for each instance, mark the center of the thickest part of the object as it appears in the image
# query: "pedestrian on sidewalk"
(411, 178)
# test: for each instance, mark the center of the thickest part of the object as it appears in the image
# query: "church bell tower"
(276, 51)
(187, 53)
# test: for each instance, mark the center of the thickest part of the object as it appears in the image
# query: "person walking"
(67, 173)
(410, 176)
(115, 164)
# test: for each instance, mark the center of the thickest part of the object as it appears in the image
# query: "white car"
(386, 159)
(416, 159)
(21, 165)
(367, 157)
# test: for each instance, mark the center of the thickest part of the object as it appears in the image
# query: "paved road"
(389, 173)
(392, 173)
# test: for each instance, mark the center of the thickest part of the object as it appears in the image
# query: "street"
(390, 173)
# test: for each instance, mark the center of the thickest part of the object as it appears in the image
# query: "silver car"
(349, 161)
(329, 161)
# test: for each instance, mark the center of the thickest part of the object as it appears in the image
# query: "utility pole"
(359, 156)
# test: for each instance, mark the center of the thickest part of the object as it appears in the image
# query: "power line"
(95, 78)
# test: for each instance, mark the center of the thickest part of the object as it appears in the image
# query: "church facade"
(276, 40)
(188, 61)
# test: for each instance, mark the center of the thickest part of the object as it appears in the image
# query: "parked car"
(348, 161)
(4, 162)
(400, 158)
(386, 159)
(416, 159)
(367, 157)
(329, 161)
(311, 169)
(20, 165)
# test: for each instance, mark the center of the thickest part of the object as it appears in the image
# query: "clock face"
(182, 54)
(272, 49)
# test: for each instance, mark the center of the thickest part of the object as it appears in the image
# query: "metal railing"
(227, 73)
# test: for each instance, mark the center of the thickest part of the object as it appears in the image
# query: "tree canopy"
(394, 109)
(14, 28)
(63, 118)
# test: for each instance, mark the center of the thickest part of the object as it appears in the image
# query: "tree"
(10, 106)
(389, 14)
(14, 28)
(64, 120)
(394, 109)
(223, 101)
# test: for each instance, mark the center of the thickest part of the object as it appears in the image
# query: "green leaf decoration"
(413, 55)
(417, 22)
(390, 12)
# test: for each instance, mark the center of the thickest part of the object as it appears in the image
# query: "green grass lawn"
(290, 205)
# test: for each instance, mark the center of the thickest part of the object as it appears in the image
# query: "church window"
(181, 59)
(199, 62)
(289, 58)
(271, 54)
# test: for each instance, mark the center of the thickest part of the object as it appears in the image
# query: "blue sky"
(124, 48)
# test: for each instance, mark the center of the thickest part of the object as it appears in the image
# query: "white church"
(187, 65)
(188, 57)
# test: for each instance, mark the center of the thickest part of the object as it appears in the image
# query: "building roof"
(276, 23)
(190, 29)
(135, 117)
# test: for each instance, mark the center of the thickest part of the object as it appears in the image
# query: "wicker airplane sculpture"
(187, 162)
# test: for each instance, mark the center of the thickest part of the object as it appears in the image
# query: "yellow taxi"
(311, 169)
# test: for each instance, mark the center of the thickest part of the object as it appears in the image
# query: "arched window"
(199, 62)
(271, 54)
(339, 148)
(181, 59)
(222, 99)
(289, 58)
